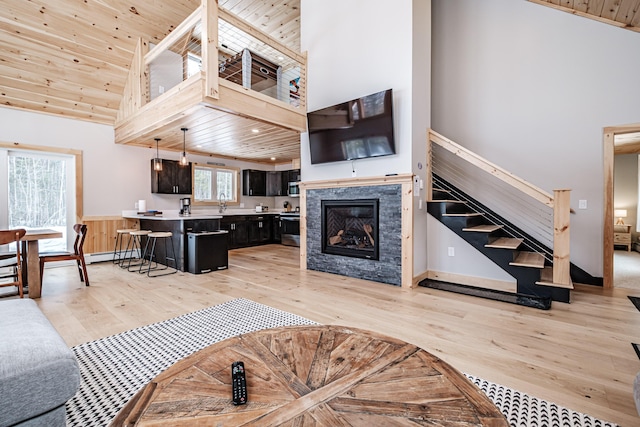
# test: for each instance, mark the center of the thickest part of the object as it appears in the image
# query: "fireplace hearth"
(350, 228)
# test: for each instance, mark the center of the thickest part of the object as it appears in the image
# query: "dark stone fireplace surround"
(388, 268)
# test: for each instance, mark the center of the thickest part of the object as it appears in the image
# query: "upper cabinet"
(277, 184)
(254, 182)
(268, 183)
(172, 179)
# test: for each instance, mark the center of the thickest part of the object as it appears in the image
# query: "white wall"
(356, 48)
(115, 176)
(531, 88)
(359, 47)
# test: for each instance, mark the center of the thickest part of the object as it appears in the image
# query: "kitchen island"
(179, 225)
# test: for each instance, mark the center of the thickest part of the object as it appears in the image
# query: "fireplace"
(350, 228)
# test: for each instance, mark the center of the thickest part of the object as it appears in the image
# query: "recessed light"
(255, 130)
(273, 159)
(281, 58)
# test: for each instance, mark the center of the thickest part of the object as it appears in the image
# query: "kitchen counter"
(174, 216)
(170, 216)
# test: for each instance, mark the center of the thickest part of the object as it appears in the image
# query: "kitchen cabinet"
(172, 179)
(293, 175)
(259, 230)
(238, 228)
(277, 184)
(254, 182)
(276, 224)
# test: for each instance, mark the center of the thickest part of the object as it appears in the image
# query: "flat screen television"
(352, 130)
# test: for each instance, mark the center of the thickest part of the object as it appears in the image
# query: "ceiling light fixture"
(273, 159)
(157, 161)
(255, 130)
(183, 159)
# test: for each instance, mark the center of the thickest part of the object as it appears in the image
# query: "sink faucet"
(222, 203)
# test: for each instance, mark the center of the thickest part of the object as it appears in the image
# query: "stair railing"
(559, 201)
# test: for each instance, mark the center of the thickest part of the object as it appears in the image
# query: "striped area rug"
(114, 368)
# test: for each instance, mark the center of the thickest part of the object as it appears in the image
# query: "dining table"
(31, 238)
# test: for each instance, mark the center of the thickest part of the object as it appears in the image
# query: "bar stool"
(117, 249)
(135, 242)
(152, 238)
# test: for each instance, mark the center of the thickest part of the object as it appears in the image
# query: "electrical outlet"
(582, 204)
(451, 251)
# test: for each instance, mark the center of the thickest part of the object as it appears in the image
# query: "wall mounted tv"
(352, 130)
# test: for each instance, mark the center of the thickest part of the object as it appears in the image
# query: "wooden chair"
(77, 255)
(12, 259)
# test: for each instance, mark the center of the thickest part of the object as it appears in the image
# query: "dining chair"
(77, 255)
(12, 259)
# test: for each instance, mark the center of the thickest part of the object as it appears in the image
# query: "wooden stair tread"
(484, 228)
(465, 214)
(446, 201)
(529, 259)
(546, 279)
(442, 190)
(505, 243)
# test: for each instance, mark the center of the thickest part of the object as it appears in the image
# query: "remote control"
(239, 383)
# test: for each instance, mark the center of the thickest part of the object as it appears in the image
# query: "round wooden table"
(312, 375)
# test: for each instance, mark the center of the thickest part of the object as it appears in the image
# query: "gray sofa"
(38, 372)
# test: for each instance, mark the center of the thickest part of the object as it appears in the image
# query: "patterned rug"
(114, 368)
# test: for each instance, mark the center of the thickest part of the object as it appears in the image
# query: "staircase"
(521, 256)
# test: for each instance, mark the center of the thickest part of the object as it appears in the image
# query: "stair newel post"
(561, 236)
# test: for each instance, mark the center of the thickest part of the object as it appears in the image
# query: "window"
(40, 193)
(214, 183)
(194, 64)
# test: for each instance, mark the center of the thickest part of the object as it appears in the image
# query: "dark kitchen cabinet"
(294, 175)
(259, 229)
(275, 182)
(254, 182)
(275, 229)
(172, 179)
(238, 228)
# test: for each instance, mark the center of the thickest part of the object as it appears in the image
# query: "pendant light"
(157, 161)
(183, 159)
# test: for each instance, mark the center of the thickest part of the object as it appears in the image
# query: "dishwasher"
(207, 251)
(290, 229)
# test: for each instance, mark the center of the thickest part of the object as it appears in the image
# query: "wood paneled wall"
(101, 232)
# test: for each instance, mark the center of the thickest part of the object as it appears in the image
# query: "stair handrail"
(559, 201)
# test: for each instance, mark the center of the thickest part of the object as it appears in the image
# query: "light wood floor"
(577, 355)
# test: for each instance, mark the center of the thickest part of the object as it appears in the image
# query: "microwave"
(294, 189)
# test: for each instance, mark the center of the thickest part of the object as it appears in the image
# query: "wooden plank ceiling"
(621, 13)
(71, 58)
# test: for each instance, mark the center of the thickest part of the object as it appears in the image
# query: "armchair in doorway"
(77, 255)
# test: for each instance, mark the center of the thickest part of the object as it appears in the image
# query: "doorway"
(617, 140)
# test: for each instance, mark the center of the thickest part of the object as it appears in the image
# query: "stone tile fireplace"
(348, 228)
(355, 228)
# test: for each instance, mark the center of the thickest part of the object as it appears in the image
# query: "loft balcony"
(240, 92)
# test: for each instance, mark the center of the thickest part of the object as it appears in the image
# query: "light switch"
(582, 204)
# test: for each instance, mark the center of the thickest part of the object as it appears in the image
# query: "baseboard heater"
(106, 256)
(542, 303)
